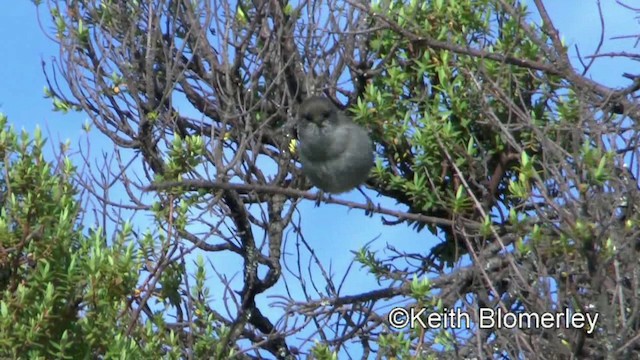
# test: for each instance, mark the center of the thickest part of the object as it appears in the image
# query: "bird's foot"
(320, 197)
(371, 207)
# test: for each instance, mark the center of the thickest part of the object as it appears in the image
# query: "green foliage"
(413, 119)
(185, 155)
(323, 352)
(65, 294)
(481, 125)
(441, 115)
(61, 291)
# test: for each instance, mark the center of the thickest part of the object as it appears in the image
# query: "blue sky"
(332, 231)
(23, 82)
(21, 99)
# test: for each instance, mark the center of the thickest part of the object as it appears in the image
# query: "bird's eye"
(326, 114)
(307, 116)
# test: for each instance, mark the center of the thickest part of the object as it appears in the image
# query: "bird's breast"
(322, 147)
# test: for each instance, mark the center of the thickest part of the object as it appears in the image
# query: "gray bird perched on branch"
(336, 153)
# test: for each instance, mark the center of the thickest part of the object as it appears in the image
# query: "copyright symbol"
(398, 317)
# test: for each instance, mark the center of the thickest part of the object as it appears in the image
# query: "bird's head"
(319, 111)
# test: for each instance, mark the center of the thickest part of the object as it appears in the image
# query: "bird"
(336, 154)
